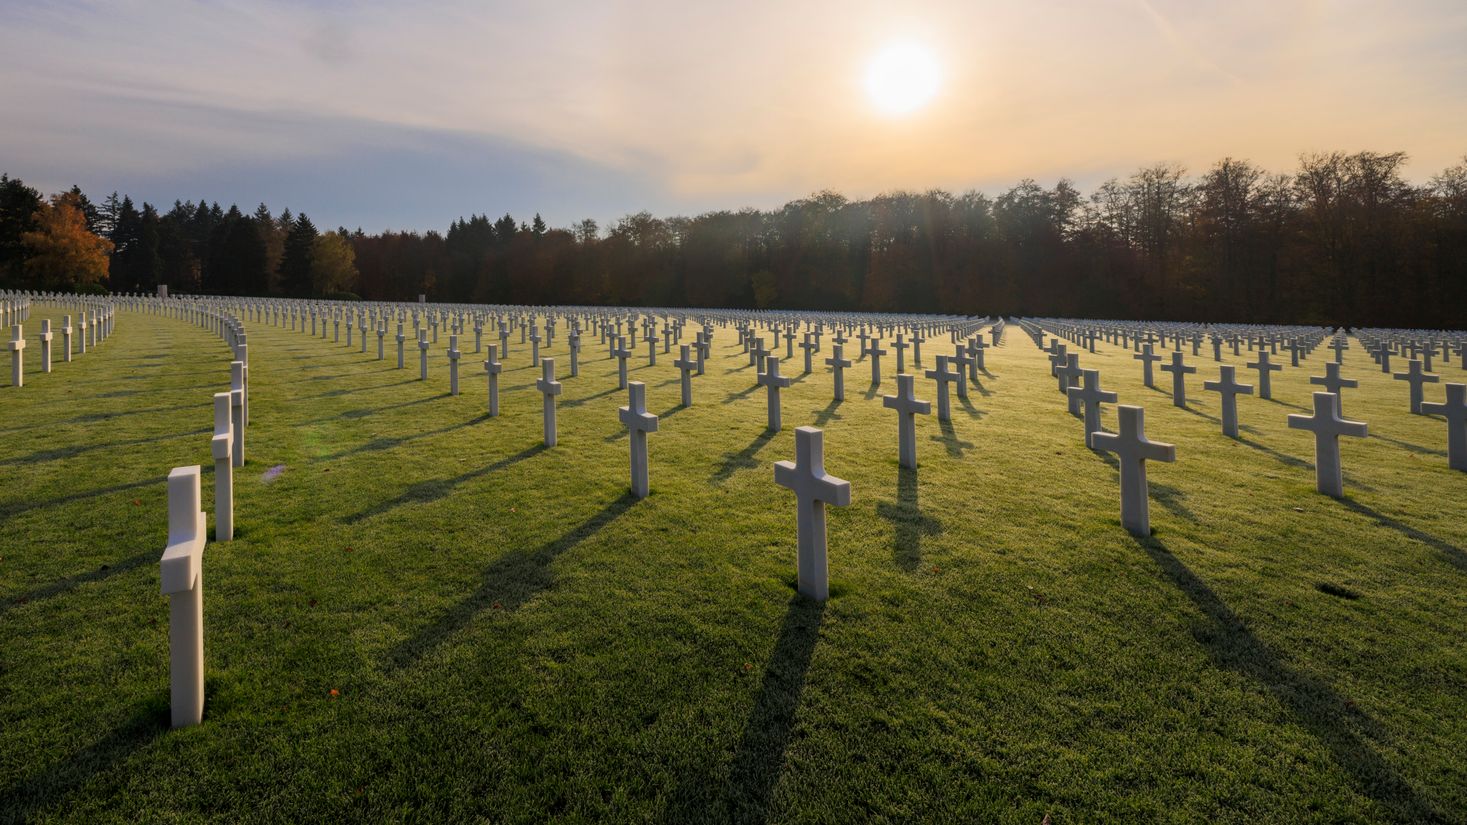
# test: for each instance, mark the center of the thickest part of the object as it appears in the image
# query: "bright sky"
(409, 115)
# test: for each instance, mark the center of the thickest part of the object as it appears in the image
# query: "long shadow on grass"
(509, 582)
(71, 582)
(760, 756)
(366, 412)
(380, 444)
(349, 390)
(1455, 555)
(1344, 730)
(824, 416)
(1200, 414)
(949, 439)
(910, 523)
(58, 453)
(743, 459)
(435, 489)
(576, 402)
(1286, 460)
(49, 788)
(1406, 445)
(973, 412)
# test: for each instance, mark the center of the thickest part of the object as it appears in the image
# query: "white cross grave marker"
(17, 356)
(1134, 449)
(1327, 426)
(1091, 396)
(813, 488)
(1229, 389)
(908, 407)
(774, 382)
(1418, 378)
(182, 574)
(492, 367)
(223, 449)
(1454, 410)
(550, 388)
(639, 422)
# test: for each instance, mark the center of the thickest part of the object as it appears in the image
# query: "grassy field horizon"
(426, 614)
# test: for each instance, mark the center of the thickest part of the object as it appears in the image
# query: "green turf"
(512, 637)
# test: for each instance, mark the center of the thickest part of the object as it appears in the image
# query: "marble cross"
(400, 339)
(1133, 449)
(182, 575)
(685, 365)
(45, 345)
(1454, 410)
(17, 356)
(239, 407)
(1333, 382)
(550, 388)
(901, 353)
(1229, 389)
(943, 377)
(809, 347)
(1147, 358)
(907, 405)
(621, 354)
(1179, 371)
(838, 365)
(813, 488)
(1327, 426)
(453, 356)
(1265, 369)
(639, 422)
(222, 445)
(1091, 396)
(774, 382)
(493, 368)
(873, 349)
(1418, 378)
(960, 360)
(423, 355)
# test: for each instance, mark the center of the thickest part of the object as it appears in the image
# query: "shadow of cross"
(509, 582)
(759, 760)
(1333, 720)
(907, 518)
(50, 788)
(949, 439)
(743, 459)
(435, 489)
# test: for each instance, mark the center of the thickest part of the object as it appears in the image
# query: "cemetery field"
(428, 615)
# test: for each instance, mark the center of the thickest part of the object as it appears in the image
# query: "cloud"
(682, 105)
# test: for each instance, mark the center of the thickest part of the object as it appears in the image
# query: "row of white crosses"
(14, 313)
(181, 567)
(814, 488)
(1326, 422)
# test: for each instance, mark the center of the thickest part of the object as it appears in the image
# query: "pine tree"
(295, 262)
(18, 205)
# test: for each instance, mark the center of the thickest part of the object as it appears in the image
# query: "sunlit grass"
(511, 636)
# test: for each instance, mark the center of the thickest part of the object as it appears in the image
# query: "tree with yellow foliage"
(333, 264)
(61, 252)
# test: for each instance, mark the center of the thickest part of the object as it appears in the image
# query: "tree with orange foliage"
(61, 252)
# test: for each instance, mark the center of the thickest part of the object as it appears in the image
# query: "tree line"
(1342, 239)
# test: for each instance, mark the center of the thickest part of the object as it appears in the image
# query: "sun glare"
(902, 78)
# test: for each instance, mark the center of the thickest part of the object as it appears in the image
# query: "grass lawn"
(428, 616)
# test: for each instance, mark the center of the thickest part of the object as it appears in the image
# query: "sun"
(902, 78)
